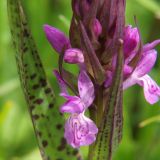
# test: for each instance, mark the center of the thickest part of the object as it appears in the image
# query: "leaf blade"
(37, 90)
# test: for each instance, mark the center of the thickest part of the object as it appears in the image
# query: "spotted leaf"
(47, 121)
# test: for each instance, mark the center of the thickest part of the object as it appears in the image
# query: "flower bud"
(131, 39)
(57, 39)
(73, 56)
(97, 27)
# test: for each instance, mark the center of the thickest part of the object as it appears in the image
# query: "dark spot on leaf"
(38, 101)
(44, 143)
(75, 152)
(36, 86)
(59, 126)
(52, 95)
(36, 64)
(48, 90)
(39, 134)
(33, 76)
(63, 145)
(68, 153)
(43, 82)
(42, 115)
(32, 53)
(32, 108)
(31, 97)
(59, 159)
(25, 65)
(25, 33)
(51, 105)
(27, 77)
(49, 135)
(35, 117)
(25, 49)
(40, 65)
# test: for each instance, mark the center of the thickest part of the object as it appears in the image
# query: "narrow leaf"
(47, 121)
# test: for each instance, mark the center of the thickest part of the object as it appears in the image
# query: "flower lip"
(80, 130)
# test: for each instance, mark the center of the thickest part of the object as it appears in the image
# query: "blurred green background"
(141, 140)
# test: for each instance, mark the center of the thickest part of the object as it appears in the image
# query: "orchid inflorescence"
(94, 46)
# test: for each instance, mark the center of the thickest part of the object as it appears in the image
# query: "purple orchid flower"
(79, 130)
(114, 57)
(61, 43)
(140, 74)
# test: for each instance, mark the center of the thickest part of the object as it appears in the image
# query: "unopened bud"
(57, 39)
(73, 56)
(97, 27)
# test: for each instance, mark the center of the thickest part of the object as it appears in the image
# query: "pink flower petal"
(127, 70)
(151, 89)
(57, 39)
(146, 63)
(73, 105)
(62, 84)
(86, 89)
(129, 82)
(150, 46)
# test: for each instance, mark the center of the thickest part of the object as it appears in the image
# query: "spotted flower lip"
(80, 130)
(140, 74)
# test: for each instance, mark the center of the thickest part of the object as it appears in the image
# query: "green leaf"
(154, 119)
(151, 5)
(47, 121)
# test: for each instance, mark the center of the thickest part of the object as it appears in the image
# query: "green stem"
(96, 115)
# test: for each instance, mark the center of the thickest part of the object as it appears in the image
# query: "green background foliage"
(141, 121)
